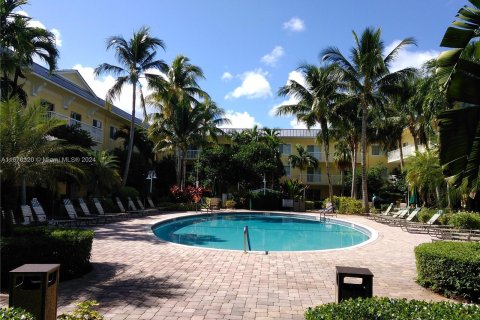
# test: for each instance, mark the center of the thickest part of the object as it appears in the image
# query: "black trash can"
(354, 290)
(34, 287)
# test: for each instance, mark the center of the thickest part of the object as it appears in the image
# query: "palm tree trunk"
(327, 153)
(401, 154)
(364, 159)
(132, 135)
(178, 166)
(184, 169)
(24, 191)
(353, 192)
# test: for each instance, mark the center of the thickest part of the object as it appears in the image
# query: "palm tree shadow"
(111, 286)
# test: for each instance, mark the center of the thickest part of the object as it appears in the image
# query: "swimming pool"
(268, 232)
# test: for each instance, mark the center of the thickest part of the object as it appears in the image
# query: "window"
(285, 149)
(376, 150)
(48, 105)
(314, 151)
(287, 170)
(113, 130)
(97, 123)
(313, 174)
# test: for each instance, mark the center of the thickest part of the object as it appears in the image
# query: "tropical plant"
(20, 42)
(302, 159)
(317, 98)
(103, 172)
(141, 143)
(183, 125)
(459, 74)
(368, 80)
(342, 158)
(425, 174)
(137, 57)
(28, 151)
(293, 189)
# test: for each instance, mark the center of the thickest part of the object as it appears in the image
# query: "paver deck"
(137, 276)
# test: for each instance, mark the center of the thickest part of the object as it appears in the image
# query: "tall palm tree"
(19, 44)
(137, 56)
(317, 100)
(140, 141)
(303, 160)
(183, 125)
(272, 140)
(342, 158)
(28, 151)
(181, 82)
(369, 79)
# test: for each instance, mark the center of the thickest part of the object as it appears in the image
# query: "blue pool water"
(268, 232)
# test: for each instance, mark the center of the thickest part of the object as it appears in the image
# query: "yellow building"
(67, 96)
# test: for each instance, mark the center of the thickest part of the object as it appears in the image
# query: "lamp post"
(150, 176)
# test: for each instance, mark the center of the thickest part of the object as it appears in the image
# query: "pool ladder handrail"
(246, 240)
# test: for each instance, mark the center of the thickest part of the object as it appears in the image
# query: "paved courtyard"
(137, 276)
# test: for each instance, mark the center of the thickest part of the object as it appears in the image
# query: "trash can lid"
(354, 271)
(33, 268)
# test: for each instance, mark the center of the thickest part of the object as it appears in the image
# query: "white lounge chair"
(86, 211)
(27, 214)
(42, 217)
(72, 214)
(418, 227)
(101, 212)
(385, 213)
(122, 208)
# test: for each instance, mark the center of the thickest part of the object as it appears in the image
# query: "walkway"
(136, 276)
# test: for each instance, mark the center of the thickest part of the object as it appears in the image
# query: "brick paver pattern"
(137, 276)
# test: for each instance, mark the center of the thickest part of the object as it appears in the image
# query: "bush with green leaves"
(230, 204)
(346, 205)
(393, 309)
(15, 314)
(463, 220)
(309, 205)
(425, 214)
(450, 268)
(83, 311)
(71, 248)
(125, 192)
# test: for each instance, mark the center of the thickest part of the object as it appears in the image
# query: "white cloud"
(299, 125)
(240, 120)
(407, 58)
(227, 76)
(295, 24)
(37, 24)
(102, 84)
(271, 58)
(254, 85)
(293, 75)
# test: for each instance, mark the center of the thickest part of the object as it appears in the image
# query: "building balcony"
(320, 179)
(95, 133)
(408, 151)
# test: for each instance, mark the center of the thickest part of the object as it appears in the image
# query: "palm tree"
(342, 158)
(425, 174)
(272, 140)
(137, 57)
(303, 159)
(369, 79)
(317, 100)
(183, 125)
(20, 43)
(28, 151)
(141, 142)
(181, 82)
(104, 172)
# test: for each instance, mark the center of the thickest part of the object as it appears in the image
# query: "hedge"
(71, 248)
(393, 309)
(346, 205)
(15, 314)
(462, 220)
(450, 268)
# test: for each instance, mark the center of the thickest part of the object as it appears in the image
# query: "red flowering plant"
(188, 194)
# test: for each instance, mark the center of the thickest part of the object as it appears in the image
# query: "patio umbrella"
(413, 196)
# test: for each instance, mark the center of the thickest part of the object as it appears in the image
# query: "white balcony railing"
(407, 151)
(320, 179)
(95, 133)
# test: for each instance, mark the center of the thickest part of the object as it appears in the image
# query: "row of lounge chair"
(404, 219)
(88, 218)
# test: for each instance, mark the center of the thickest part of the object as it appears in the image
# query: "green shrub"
(185, 206)
(125, 192)
(425, 214)
(15, 314)
(309, 205)
(465, 220)
(346, 205)
(109, 206)
(318, 204)
(393, 309)
(71, 248)
(83, 311)
(451, 268)
(230, 204)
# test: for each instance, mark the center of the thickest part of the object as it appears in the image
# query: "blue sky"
(247, 49)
